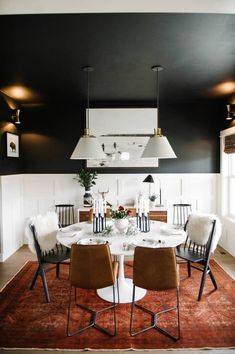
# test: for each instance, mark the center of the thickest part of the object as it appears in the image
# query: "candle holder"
(99, 223)
(143, 222)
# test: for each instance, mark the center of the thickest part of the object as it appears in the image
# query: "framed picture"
(12, 145)
(123, 134)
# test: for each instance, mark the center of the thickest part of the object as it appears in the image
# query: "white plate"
(146, 242)
(71, 228)
(70, 231)
(92, 241)
(170, 230)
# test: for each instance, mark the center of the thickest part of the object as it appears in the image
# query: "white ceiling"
(106, 6)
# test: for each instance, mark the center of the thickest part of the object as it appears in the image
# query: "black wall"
(45, 53)
(49, 135)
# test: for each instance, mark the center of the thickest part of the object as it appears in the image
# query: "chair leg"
(178, 312)
(57, 270)
(68, 318)
(93, 316)
(213, 278)
(132, 310)
(43, 276)
(204, 274)
(189, 268)
(154, 318)
(34, 278)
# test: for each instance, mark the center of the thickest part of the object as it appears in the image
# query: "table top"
(160, 235)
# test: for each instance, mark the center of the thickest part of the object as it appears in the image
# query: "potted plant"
(120, 217)
(152, 199)
(86, 179)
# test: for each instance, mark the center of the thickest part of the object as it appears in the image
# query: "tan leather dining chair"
(91, 267)
(155, 269)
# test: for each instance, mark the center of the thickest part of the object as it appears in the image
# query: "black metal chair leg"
(57, 270)
(178, 312)
(68, 318)
(34, 279)
(132, 309)
(189, 268)
(213, 278)
(204, 274)
(42, 273)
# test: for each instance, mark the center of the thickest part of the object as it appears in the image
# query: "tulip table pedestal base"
(125, 288)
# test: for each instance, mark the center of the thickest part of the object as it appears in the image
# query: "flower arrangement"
(121, 213)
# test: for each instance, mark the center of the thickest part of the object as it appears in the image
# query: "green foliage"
(108, 231)
(86, 178)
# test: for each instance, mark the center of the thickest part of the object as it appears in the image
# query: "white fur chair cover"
(46, 228)
(199, 228)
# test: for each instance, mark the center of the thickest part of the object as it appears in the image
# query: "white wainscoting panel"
(42, 192)
(12, 215)
(26, 195)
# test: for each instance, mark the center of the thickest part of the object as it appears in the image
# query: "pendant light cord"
(158, 100)
(88, 101)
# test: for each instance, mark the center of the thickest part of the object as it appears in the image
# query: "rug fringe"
(122, 350)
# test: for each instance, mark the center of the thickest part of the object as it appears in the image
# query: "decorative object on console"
(152, 199)
(149, 179)
(86, 178)
(103, 195)
(88, 146)
(99, 215)
(158, 145)
(120, 217)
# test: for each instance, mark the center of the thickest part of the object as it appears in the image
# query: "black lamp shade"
(149, 179)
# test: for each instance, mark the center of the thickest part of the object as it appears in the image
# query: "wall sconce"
(230, 111)
(16, 116)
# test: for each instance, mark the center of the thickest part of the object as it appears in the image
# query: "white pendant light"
(158, 145)
(88, 146)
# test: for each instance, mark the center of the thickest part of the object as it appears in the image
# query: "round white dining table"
(160, 235)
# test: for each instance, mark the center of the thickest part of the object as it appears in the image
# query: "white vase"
(87, 198)
(121, 225)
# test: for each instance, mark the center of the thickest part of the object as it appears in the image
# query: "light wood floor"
(13, 264)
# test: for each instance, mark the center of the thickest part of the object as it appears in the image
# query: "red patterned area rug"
(26, 321)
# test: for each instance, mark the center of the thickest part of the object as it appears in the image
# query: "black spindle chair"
(181, 212)
(55, 256)
(193, 252)
(65, 214)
